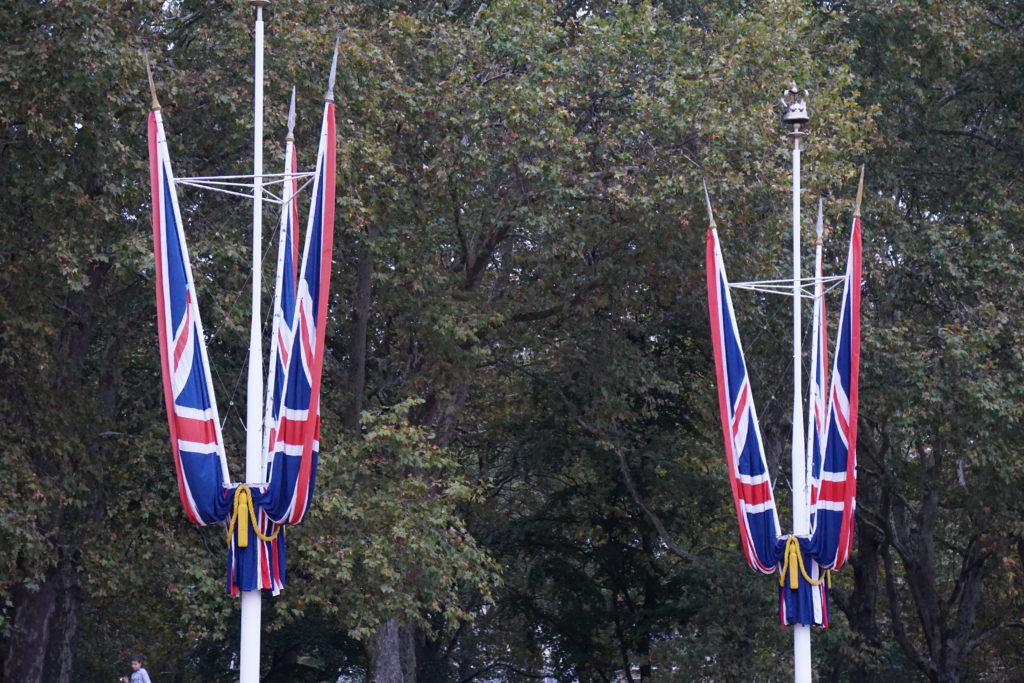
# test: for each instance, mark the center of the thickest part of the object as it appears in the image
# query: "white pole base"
(249, 656)
(801, 654)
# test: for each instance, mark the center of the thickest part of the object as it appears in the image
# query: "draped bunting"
(832, 530)
(271, 554)
(292, 419)
(808, 604)
(293, 432)
(744, 450)
(192, 417)
(831, 456)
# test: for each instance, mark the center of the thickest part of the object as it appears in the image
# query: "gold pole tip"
(860, 193)
(155, 103)
(707, 198)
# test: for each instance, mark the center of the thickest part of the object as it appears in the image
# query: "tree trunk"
(64, 626)
(360, 317)
(41, 649)
(33, 612)
(393, 654)
(860, 605)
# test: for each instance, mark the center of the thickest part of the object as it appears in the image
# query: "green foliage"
(385, 539)
(519, 201)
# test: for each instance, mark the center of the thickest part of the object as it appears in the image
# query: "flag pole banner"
(192, 417)
(254, 513)
(803, 562)
(744, 450)
(294, 445)
(832, 530)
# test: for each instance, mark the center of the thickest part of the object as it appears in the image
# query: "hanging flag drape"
(188, 388)
(291, 430)
(831, 443)
(744, 450)
(294, 435)
(282, 332)
(832, 531)
(292, 464)
(808, 603)
(818, 390)
(271, 559)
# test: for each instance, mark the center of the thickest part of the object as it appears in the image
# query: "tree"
(940, 437)
(522, 471)
(517, 178)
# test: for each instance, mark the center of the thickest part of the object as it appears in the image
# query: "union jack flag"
(809, 603)
(282, 333)
(744, 451)
(292, 419)
(832, 530)
(188, 388)
(831, 441)
(271, 559)
(292, 464)
(818, 385)
(293, 432)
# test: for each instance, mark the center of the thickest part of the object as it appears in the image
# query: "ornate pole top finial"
(155, 104)
(794, 104)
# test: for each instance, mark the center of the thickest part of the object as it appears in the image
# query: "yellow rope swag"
(243, 504)
(793, 563)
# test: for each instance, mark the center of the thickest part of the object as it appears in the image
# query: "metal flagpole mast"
(249, 656)
(796, 115)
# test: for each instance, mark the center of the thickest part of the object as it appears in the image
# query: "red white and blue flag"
(271, 554)
(808, 604)
(832, 511)
(818, 390)
(744, 450)
(831, 441)
(282, 333)
(188, 388)
(295, 447)
(293, 432)
(291, 426)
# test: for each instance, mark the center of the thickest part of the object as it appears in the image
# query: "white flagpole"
(249, 656)
(796, 114)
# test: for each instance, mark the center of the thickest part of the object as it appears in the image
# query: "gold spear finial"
(860, 193)
(334, 70)
(707, 198)
(155, 104)
(820, 227)
(291, 118)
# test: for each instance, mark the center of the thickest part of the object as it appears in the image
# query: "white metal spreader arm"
(785, 286)
(224, 183)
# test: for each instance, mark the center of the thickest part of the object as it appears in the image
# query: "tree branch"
(899, 631)
(627, 477)
(985, 635)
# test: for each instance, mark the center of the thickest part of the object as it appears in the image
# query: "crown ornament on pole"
(794, 103)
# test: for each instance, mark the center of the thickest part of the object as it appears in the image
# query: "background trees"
(522, 472)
